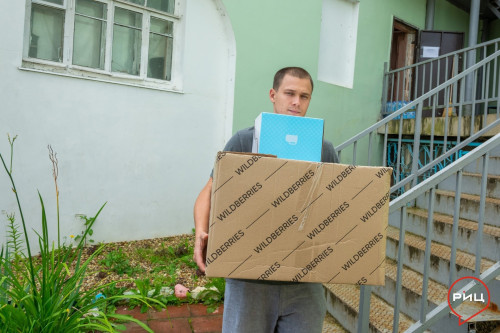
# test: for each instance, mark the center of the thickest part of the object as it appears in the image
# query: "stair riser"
(472, 185)
(414, 259)
(439, 268)
(495, 152)
(466, 238)
(469, 209)
(410, 305)
(347, 317)
(477, 166)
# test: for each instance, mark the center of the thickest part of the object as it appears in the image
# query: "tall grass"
(44, 295)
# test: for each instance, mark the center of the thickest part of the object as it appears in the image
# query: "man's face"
(292, 97)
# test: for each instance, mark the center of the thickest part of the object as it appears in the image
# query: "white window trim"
(66, 68)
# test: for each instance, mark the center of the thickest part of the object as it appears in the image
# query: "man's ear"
(272, 94)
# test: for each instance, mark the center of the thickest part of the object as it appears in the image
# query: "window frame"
(67, 68)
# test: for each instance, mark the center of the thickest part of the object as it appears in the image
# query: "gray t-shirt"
(243, 139)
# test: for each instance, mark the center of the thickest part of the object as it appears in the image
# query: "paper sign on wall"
(430, 51)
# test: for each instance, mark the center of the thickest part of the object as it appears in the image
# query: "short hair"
(299, 72)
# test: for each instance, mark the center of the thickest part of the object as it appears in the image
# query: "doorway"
(403, 46)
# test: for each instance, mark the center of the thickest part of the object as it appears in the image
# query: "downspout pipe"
(471, 55)
(429, 14)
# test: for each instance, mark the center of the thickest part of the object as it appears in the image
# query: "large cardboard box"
(288, 220)
(298, 138)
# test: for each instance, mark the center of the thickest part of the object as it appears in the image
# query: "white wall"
(147, 153)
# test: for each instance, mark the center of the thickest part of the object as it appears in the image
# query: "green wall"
(450, 18)
(494, 29)
(272, 34)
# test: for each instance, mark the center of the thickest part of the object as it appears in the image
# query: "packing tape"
(309, 198)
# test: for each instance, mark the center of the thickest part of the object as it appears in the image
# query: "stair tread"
(478, 175)
(463, 223)
(467, 196)
(381, 313)
(467, 309)
(463, 259)
(330, 325)
(412, 280)
(436, 292)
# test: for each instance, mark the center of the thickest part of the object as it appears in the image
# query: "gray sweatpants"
(255, 307)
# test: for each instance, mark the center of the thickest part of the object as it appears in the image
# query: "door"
(432, 45)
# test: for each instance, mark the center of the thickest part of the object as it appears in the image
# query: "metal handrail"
(441, 158)
(447, 55)
(400, 203)
(435, 179)
(406, 83)
(418, 105)
(414, 103)
(443, 309)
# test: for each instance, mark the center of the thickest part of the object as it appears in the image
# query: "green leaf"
(130, 319)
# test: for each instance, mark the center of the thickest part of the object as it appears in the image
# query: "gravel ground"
(99, 274)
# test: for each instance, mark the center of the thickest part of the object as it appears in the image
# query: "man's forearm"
(201, 220)
(202, 208)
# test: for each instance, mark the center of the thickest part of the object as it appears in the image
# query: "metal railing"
(405, 84)
(465, 125)
(400, 204)
(482, 152)
(424, 155)
(485, 76)
(428, 186)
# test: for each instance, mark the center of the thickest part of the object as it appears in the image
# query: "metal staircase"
(444, 222)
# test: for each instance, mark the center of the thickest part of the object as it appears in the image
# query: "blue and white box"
(291, 137)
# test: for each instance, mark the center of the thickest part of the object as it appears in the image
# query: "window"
(126, 41)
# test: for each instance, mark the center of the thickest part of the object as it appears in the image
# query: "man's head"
(291, 92)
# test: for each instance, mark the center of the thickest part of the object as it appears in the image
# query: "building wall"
(494, 29)
(274, 34)
(451, 18)
(145, 152)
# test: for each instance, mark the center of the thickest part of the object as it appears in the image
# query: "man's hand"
(200, 250)
(201, 220)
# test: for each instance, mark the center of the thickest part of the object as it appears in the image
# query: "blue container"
(291, 137)
(391, 107)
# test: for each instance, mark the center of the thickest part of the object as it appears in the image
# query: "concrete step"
(469, 206)
(440, 257)
(467, 232)
(411, 298)
(343, 304)
(493, 165)
(471, 184)
(331, 325)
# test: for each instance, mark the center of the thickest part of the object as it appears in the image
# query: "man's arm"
(201, 220)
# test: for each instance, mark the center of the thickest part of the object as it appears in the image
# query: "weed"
(213, 298)
(41, 294)
(14, 242)
(87, 223)
(117, 262)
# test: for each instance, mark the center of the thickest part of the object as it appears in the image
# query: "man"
(267, 306)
